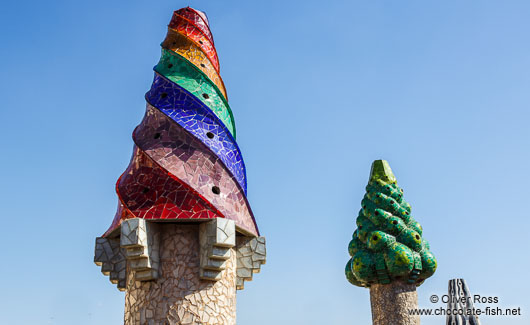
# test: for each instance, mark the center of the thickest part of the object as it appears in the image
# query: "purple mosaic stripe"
(182, 155)
(196, 118)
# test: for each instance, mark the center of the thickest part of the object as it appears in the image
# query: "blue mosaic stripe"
(195, 117)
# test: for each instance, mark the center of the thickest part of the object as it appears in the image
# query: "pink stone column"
(178, 295)
(179, 273)
(392, 302)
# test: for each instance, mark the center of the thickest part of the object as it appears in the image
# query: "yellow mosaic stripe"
(185, 47)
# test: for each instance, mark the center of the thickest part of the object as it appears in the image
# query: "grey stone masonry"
(141, 241)
(137, 248)
(110, 256)
(251, 254)
(216, 238)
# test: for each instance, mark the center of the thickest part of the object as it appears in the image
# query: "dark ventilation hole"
(406, 213)
(376, 213)
(163, 95)
(210, 135)
(174, 43)
(170, 65)
(417, 237)
(205, 95)
(145, 190)
(394, 222)
(360, 227)
(157, 135)
(202, 65)
(374, 238)
(216, 190)
(200, 42)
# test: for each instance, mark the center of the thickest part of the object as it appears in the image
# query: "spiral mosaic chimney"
(184, 237)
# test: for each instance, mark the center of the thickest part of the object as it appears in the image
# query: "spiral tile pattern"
(186, 164)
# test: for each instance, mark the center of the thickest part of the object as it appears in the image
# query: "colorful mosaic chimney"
(388, 253)
(184, 236)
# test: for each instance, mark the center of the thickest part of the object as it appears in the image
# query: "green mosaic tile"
(186, 75)
(388, 243)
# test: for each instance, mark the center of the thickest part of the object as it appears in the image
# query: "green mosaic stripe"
(185, 74)
(388, 243)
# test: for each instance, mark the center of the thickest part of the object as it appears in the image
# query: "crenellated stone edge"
(138, 245)
(110, 256)
(141, 241)
(251, 254)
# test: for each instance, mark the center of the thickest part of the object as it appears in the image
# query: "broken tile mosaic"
(185, 27)
(183, 46)
(198, 19)
(187, 158)
(191, 114)
(186, 166)
(183, 73)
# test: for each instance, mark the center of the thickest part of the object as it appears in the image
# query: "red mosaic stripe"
(188, 159)
(196, 19)
(185, 27)
(149, 192)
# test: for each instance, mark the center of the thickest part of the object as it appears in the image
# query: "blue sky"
(318, 90)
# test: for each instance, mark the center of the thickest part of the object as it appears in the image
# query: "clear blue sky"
(319, 89)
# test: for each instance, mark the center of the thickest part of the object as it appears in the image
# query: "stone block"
(251, 254)
(110, 256)
(216, 238)
(140, 240)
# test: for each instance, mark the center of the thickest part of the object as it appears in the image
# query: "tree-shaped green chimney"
(388, 243)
